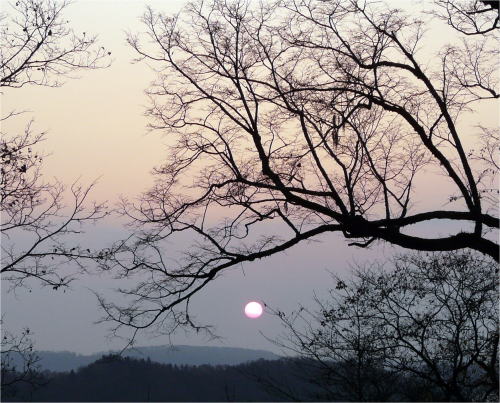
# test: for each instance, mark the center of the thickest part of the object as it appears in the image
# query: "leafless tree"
(297, 118)
(342, 342)
(37, 46)
(38, 228)
(18, 362)
(433, 318)
(470, 17)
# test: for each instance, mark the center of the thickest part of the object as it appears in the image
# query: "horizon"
(166, 346)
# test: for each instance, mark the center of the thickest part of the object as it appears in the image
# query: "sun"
(253, 310)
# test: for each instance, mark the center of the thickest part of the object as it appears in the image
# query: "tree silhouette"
(295, 119)
(470, 17)
(37, 225)
(39, 48)
(17, 349)
(432, 318)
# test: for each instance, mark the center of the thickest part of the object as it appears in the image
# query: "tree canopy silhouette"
(295, 118)
(19, 365)
(432, 318)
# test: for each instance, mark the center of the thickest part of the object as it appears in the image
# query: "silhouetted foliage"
(294, 119)
(19, 363)
(114, 378)
(431, 318)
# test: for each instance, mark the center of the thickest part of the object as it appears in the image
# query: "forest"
(113, 379)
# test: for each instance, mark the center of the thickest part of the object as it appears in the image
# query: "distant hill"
(60, 361)
(121, 379)
(114, 378)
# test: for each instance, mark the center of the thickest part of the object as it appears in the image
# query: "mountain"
(60, 361)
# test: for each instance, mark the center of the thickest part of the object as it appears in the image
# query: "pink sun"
(253, 310)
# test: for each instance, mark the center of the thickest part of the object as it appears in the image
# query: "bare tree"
(39, 48)
(341, 341)
(293, 119)
(470, 17)
(433, 318)
(18, 362)
(38, 228)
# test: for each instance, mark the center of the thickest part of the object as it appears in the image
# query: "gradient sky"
(97, 129)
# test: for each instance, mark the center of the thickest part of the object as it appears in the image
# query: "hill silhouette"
(115, 378)
(60, 361)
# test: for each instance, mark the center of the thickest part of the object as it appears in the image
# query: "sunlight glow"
(253, 310)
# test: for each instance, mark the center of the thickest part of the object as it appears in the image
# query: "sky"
(97, 130)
